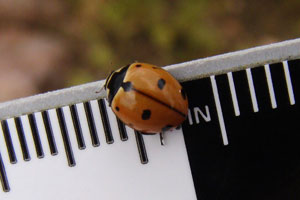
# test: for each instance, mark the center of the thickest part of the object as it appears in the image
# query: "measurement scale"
(240, 140)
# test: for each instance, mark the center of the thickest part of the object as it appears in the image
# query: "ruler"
(240, 140)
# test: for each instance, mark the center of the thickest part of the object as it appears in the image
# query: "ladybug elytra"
(146, 98)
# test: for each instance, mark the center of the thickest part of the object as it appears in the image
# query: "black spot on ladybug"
(166, 128)
(146, 114)
(117, 108)
(183, 94)
(127, 86)
(161, 83)
(138, 65)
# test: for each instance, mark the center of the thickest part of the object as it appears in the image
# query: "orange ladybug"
(146, 98)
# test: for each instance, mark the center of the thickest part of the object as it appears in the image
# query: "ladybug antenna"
(104, 86)
(100, 90)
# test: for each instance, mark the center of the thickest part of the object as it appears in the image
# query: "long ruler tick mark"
(288, 82)
(252, 90)
(233, 94)
(270, 86)
(219, 110)
(65, 137)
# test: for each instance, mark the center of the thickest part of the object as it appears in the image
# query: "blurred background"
(51, 44)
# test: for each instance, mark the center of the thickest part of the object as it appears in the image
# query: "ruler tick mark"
(219, 110)
(22, 139)
(91, 124)
(122, 130)
(252, 90)
(141, 147)
(288, 82)
(3, 176)
(270, 86)
(49, 133)
(77, 127)
(105, 121)
(65, 137)
(233, 94)
(8, 142)
(36, 136)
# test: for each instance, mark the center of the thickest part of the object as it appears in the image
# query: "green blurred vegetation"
(106, 34)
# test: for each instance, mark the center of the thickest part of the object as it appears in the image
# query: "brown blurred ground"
(46, 45)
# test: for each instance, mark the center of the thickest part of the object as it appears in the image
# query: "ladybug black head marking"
(114, 82)
(107, 79)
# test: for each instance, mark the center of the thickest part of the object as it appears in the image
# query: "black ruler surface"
(242, 133)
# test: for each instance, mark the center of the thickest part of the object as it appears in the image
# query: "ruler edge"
(186, 71)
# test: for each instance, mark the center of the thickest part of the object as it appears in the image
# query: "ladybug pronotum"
(146, 98)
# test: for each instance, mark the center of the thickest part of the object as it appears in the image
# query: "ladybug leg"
(161, 137)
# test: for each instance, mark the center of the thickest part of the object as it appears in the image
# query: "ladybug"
(146, 98)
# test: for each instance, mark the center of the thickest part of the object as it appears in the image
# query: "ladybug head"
(114, 81)
(107, 79)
